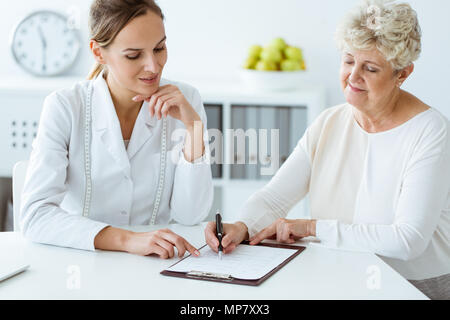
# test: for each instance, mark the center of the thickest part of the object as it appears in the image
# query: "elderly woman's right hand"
(234, 234)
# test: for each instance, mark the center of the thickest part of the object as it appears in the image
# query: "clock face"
(44, 44)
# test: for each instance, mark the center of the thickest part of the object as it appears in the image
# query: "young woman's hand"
(234, 234)
(169, 100)
(286, 231)
(159, 242)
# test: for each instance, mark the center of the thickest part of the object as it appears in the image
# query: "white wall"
(209, 38)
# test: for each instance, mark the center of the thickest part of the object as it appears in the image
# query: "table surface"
(317, 273)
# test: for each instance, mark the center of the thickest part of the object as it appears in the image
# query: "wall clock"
(44, 44)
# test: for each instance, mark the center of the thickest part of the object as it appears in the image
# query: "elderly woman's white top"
(386, 192)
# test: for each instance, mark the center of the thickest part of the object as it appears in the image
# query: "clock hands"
(44, 48)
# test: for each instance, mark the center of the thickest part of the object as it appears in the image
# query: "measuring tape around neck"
(87, 154)
(87, 160)
(162, 171)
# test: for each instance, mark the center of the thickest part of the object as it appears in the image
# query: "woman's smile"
(150, 79)
(355, 89)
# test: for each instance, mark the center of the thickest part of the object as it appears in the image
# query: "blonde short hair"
(392, 28)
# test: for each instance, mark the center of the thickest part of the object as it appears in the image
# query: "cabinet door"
(18, 126)
(235, 195)
(214, 124)
(297, 125)
(277, 130)
(237, 145)
(268, 142)
(283, 116)
(251, 142)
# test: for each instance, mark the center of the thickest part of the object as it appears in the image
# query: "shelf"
(241, 183)
(29, 84)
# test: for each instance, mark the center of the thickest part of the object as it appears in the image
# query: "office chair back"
(18, 180)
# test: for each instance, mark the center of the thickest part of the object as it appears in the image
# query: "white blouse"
(125, 181)
(386, 193)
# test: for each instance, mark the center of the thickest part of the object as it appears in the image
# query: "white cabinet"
(235, 112)
(20, 106)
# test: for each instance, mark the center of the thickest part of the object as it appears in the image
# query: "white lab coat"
(124, 181)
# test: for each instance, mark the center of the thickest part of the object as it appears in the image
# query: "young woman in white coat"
(124, 147)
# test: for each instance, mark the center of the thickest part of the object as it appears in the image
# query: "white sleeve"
(424, 192)
(193, 192)
(289, 185)
(41, 218)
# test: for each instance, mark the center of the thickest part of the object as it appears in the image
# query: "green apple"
(290, 65)
(271, 54)
(254, 51)
(293, 53)
(278, 43)
(266, 65)
(250, 63)
(302, 65)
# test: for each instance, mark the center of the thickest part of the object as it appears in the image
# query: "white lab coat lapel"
(142, 130)
(105, 123)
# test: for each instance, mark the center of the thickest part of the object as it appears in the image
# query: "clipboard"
(226, 278)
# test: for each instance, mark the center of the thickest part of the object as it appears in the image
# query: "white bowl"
(273, 80)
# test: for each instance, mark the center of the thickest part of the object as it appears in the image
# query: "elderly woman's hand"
(286, 231)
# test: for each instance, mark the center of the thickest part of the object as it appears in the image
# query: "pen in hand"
(219, 232)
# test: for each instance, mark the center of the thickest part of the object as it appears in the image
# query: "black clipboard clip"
(209, 275)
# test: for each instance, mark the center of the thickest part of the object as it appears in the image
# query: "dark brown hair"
(108, 17)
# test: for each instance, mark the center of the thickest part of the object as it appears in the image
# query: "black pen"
(219, 233)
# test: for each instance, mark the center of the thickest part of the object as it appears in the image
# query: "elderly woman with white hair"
(377, 168)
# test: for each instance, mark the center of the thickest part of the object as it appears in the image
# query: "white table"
(317, 273)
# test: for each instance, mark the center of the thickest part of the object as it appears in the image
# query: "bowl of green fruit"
(277, 66)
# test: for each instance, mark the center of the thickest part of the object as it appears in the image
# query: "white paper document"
(245, 262)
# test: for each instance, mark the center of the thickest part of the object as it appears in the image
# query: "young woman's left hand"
(168, 100)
